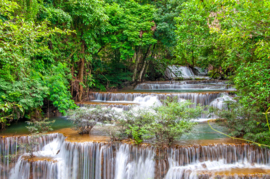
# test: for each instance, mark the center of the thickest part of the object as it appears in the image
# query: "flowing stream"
(195, 156)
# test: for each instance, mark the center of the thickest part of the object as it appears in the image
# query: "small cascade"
(227, 153)
(40, 169)
(87, 160)
(124, 106)
(134, 162)
(181, 71)
(147, 101)
(197, 98)
(220, 102)
(174, 72)
(185, 86)
(190, 162)
(201, 71)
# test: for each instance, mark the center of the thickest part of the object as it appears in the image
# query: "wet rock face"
(67, 160)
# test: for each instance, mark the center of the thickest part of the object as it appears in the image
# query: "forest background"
(55, 52)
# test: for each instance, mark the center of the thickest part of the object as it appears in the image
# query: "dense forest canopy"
(58, 51)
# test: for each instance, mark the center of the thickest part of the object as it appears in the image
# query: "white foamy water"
(181, 72)
(147, 101)
(196, 98)
(90, 160)
(192, 171)
(51, 169)
(141, 166)
(220, 102)
(183, 87)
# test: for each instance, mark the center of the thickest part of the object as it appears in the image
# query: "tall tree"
(88, 19)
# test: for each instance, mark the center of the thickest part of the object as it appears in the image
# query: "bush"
(163, 124)
(245, 122)
(85, 118)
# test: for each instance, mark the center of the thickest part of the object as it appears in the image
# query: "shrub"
(245, 122)
(85, 118)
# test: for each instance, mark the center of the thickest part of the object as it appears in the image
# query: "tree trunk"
(81, 72)
(141, 73)
(144, 63)
(146, 68)
(137, 59)
(48, 110)
(72, 82)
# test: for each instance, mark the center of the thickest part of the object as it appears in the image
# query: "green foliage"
(49, 48)
(40, 127)
(28, 73)
(85, 118)
(105, 76)
(136, 133)
(163, 124)
(88, 19)
(9, 112)
(192, 33)
(57, 17)
(172, 121)
(58, 88)
(44, 43)
(245, 122)
(129, 26)
(133, 125)
(231, 37)
(252, 81)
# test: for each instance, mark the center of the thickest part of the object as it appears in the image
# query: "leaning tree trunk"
(72, 80)
(137, 59)
(141, 72)
(81, 72)
(144, 63)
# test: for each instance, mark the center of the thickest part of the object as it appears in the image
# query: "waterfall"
(190, 162)
(197, 98)
(220, 101)
(201, 71)
(146, 100)
(134, 162)
(9, 150)
(184, 85)
(108, 105)
(39, 170)
(59, 159)
(181, 72)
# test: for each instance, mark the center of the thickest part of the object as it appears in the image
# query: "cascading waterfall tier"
(197, 98)
(124, 106)
(189, 162)
(35, 169)
(10, 150)
(206, 85)
(91, 160)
